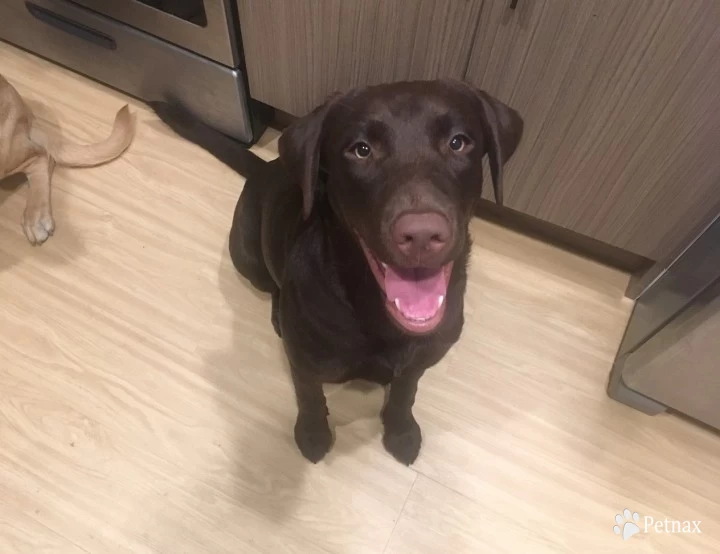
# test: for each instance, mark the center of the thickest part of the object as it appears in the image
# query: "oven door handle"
(81, 31)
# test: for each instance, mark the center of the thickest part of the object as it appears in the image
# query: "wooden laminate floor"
(145, 405)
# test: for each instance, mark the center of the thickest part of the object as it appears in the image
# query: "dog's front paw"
(403, 440)
(38, 225)
(313, 437)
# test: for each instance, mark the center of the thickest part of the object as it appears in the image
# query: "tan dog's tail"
(86, 155)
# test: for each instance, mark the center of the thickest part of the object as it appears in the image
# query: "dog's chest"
(382, 362)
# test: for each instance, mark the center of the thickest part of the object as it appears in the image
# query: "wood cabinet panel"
(622, 113)
(299, 51)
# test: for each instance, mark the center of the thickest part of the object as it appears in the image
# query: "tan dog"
(24, 150)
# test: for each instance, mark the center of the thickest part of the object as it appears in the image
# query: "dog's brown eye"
(361, 150)
(458, 143)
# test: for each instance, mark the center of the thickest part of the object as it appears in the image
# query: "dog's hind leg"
(246, 240)
(38, 222)
(246, 254)
(275, 314)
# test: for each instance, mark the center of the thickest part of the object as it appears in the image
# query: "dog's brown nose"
(418, 235)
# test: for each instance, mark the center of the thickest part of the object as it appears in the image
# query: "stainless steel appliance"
(151, 49)
(670, 354)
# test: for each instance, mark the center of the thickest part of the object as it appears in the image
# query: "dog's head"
(404, 164)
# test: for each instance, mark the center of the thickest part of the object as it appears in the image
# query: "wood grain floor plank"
(437, 520)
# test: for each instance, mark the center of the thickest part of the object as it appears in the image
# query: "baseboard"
(564, 238)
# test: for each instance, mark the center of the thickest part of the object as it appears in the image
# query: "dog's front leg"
(402, 437)
(312, 432)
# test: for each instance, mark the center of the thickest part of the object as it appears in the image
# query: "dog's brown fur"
(24, 150)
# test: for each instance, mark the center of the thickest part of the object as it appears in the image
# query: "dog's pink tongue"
(418, 293)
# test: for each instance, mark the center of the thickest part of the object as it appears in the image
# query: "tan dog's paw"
(38, 225)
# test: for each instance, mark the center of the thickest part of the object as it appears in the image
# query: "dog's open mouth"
(415, 298)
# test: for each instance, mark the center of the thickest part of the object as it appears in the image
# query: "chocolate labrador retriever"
(360, 234)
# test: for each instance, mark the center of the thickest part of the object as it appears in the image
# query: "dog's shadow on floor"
(9, 186)
(255, 397)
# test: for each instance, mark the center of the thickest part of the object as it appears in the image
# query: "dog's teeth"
(441, 299)
(397, 303)
(384, 266)
(420, 319)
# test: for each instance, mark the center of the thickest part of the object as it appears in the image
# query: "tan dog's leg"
(38, 222)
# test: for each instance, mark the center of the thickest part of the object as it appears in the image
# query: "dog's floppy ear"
(299, 148)
(503, 128)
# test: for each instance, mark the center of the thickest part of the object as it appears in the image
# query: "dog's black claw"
(313, 438)
(403, 442)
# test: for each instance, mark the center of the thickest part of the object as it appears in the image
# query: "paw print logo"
(627, 524)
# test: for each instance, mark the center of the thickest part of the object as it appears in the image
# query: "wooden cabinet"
(619, 97)
(621, 101)
(299, 51)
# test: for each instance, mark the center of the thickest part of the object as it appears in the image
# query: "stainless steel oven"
(151, 49)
